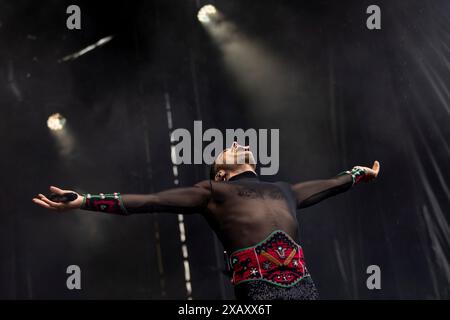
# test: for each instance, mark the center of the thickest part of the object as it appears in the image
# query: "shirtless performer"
(255, 220)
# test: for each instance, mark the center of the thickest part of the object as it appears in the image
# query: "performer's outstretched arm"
(311, 192)
(178, 200)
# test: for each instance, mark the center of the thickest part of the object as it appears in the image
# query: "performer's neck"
(240, 170)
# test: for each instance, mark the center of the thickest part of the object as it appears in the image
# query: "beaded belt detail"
(278, 259)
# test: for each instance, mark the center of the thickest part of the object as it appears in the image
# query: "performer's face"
(231, 158)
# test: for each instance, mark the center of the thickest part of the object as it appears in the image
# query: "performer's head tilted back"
(232, 161)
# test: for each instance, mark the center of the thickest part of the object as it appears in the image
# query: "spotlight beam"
(91, 47)
(263, 77)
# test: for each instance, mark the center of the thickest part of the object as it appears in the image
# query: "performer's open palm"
(44, 202)
(370, 173)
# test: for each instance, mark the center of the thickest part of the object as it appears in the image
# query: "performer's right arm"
(178, 200)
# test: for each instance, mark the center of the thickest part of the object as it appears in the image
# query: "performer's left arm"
(311, 192)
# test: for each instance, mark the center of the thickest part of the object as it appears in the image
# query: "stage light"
(56, 122)
(206, 13)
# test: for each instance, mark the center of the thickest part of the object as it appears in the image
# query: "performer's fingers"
(42, 204)
(49, 202)
(56, 190)
(376, 167)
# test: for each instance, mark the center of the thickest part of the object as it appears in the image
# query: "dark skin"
(244, 212)
(240, 208)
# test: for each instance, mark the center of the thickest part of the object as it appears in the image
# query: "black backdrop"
(353, 96)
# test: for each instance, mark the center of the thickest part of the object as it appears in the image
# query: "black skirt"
(262, 290)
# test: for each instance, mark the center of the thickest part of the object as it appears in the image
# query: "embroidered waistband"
(277, 259)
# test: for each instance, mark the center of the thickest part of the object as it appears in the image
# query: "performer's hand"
(370, 173)
(44, 202)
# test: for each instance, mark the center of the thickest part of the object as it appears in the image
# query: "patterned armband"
(110, 203)
(357, 174)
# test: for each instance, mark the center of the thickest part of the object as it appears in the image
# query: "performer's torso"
(245, 210)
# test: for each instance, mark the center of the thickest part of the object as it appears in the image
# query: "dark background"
(352, 96)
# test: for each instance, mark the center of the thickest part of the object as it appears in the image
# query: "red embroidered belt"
(277, 259)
